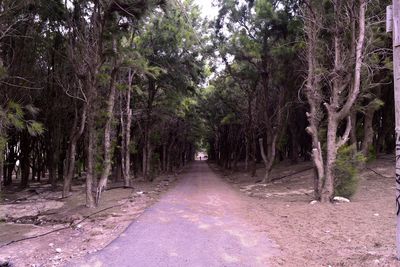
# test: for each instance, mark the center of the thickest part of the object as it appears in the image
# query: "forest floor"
(69, 229)
(359, 233)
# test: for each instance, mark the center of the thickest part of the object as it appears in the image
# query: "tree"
(341, 88)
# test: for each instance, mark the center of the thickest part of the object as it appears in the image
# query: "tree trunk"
(164, 156)
(328, 184)
(353, 132)
(91, 141)
(246, 160)
(144, 156)
(25, 160)
(76, 133)
(254, 156)
(126, 132)
(107, 136)
(368, 131)
(90, 160)
(127, 162)
(268, 157)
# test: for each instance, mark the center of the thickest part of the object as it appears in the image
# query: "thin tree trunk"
(254, 156)
(126, 132)
(144, 156)
(71, 155)
(90, 160)
(91, 141)
(25, 165)
(353, 132)
(368, 131)
(127, 173)
(107, 137)
(164, 158)
(268, 157)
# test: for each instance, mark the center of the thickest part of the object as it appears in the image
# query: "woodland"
(130, 89)
(98, 93)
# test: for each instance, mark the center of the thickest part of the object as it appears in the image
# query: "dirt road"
(198, 223)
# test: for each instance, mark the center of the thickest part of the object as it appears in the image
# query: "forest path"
(200, 222)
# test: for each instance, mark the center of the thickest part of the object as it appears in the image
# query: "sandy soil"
(360, 233)
(39, 211)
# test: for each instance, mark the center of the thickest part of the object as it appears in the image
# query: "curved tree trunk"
(76, 133)
(107, 137)
(268, 157)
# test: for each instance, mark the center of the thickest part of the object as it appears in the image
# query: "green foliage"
(34, 128)
(3, 143)
(229, 119)
(372, 155)
(3, 72)
(16, 121)
(346, 171)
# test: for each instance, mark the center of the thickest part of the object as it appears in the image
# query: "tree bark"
(107, 136)
(75, 135)
(368, 131)
(268, 157)
(25, 160)
(90, 159)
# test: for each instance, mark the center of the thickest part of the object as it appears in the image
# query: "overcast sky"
(207, 9)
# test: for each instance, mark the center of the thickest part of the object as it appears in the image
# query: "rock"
(313, 202)
(51, 245)
(341, 200)
(6, 264)
(58, 250)
(74, 218)
(139, 192)
(376, 214)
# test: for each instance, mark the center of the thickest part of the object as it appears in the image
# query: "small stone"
(51, 245)
(341, 200)
(376, 214)
(139, 192)
(313, 202)
(376, 261)
(58, 250)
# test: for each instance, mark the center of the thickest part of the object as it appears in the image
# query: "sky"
(207, 9)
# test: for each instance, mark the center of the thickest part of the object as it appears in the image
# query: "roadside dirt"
(360, 233)
(77, 229)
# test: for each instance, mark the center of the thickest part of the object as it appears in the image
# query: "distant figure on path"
(200, 157)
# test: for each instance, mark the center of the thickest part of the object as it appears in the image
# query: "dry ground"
(360, 233)
(39, 211)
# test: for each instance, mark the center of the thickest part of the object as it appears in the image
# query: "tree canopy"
(133, 88)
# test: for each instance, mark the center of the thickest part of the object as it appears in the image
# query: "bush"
(346, 171)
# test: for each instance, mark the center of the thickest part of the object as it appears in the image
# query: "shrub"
(346, 171)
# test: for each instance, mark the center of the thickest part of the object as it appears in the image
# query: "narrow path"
(198, 223)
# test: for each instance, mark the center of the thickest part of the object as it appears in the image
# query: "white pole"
(396, 77)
